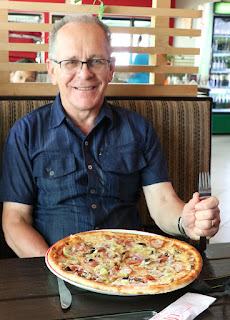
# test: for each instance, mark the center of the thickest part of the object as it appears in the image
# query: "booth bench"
(183, 126)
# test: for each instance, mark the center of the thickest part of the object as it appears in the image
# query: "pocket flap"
(53, 165)
(124, 159)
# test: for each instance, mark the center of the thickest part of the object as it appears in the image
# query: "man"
(20, 76)
(79, 163)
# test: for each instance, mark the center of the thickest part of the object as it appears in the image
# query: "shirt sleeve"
(156, 170)
(16, 178)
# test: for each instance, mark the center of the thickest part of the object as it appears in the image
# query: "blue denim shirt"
(77, 182)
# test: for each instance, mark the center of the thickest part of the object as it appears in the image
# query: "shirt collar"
(58, 114)
(105, 112)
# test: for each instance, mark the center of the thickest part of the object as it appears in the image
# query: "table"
(28, 290)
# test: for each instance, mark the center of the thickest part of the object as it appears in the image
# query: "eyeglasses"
(74, 66)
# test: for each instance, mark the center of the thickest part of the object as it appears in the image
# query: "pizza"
(124, 262)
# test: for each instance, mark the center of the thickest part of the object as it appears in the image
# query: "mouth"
(84, 88)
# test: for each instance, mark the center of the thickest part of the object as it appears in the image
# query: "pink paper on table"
(187, 307)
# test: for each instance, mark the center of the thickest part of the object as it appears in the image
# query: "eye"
(73, 62)
(96, 62)
(70, 63)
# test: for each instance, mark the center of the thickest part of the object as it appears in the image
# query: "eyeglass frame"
(82, 62)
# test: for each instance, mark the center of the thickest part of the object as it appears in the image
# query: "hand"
(201, 217)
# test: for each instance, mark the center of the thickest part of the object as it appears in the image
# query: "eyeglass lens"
(71, 66)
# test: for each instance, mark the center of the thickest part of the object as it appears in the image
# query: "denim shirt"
(76, 182)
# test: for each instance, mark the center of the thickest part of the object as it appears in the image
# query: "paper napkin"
(187, 307)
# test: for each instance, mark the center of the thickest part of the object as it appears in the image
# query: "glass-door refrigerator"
(220, 68)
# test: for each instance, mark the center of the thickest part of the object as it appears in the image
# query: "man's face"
(83, 90)
(23, 76)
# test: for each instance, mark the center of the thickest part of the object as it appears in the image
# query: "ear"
(112, 68)
(51, 71)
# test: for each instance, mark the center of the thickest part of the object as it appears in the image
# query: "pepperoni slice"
(147, 278)
(177, 266)
(157, 243)
(92, 262)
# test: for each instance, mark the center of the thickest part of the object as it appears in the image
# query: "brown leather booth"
(183, 126)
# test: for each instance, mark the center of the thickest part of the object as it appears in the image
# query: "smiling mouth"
(84, 88)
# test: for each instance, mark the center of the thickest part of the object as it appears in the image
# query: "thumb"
(195, 199)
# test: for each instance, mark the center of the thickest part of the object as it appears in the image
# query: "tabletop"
(28, 290)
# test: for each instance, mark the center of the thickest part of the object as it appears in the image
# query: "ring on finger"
(213, 223)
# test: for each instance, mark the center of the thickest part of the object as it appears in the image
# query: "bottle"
(221, 64)
(220, 45)
(214, 64)
(225, 44)
(212, 81)
(228, 63)
(217, 64)
(215, 45)
(225, 81)
(220, 80)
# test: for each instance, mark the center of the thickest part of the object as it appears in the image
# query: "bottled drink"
(212, 81)
(215, 45)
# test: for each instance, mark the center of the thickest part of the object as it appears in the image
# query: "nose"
(85, 71)
(84, 62)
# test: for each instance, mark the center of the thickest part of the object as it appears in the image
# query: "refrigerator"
(219, 78)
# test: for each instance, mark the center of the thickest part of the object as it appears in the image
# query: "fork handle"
(205, 194)
(203, 243)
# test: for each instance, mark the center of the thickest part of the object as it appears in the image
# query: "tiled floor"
(220, 175)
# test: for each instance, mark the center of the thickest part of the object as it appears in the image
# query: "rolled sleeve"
(16, 181)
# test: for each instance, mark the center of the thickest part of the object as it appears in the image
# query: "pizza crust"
(170, 249)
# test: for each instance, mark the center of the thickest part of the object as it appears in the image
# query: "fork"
(204, 189)
(204, 184)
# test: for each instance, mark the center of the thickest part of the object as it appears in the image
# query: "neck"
(84, 120)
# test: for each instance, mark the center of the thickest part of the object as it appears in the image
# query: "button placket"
(91, 179)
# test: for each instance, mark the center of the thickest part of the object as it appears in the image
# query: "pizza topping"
(147, 278)
(142, 244)
(69, 253)
(125, 260)
(124, 271)
(157, 243)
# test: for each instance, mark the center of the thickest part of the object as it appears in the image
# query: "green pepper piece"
(65, 252)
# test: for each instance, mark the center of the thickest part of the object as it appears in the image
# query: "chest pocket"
(124, 159)
(53, 165)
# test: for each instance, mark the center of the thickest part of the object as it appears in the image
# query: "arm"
(165, 209)
(21, 237)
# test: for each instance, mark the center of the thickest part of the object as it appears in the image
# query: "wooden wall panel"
(158, 68)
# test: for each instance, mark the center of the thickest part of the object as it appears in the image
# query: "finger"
(207, 214)
(206, 233)
(190, 206)
(207, 224)
(208, 203)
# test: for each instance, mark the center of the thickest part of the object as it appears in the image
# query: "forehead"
(81, 37)
(25, 74)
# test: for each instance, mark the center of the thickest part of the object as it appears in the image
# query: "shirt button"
(86, 143)
(51, 173)
(90, 167)
(92, 191)
(94, 206)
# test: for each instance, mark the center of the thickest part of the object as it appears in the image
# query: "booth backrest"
(183, 126)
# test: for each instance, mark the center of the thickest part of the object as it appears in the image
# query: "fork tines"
(204, 184)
